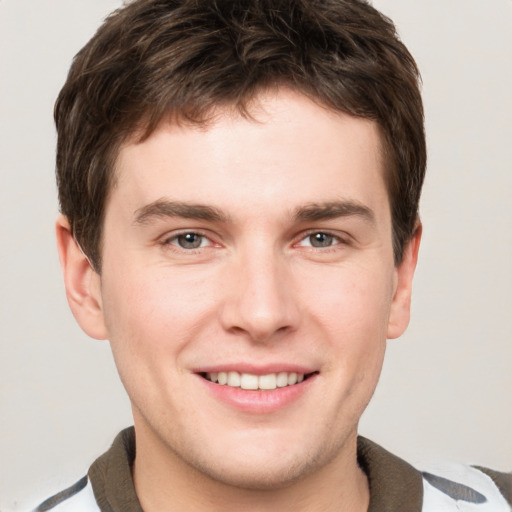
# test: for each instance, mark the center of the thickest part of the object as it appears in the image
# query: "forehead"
(290, 150)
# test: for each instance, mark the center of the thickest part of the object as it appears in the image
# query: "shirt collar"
(395, 486)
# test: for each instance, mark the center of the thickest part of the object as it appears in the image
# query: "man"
(239, 186)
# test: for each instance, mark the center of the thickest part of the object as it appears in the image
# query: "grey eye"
(190, 240)
(321, 240)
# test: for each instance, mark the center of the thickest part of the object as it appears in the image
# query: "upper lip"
(255, 369)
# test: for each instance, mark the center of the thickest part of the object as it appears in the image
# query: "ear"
(83, 284)
(401, 306)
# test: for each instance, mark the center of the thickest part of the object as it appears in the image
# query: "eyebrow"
(333, 210)
(162, 208)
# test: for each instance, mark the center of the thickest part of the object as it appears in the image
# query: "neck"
(164, 482)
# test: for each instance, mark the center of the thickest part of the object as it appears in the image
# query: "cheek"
(354, 311)
(152, 319)
(355, 303)
(152, 314)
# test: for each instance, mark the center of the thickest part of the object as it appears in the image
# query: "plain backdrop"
(446, 388)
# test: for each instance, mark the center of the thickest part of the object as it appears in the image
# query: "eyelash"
(336, 238)
(172, 243)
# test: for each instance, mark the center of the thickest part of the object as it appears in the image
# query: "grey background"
(446, 388)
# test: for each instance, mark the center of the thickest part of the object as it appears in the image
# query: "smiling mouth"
(249, 381)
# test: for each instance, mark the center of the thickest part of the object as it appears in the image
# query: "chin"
(258, 476)
(265, 468)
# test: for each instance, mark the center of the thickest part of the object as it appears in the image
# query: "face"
(248, 288)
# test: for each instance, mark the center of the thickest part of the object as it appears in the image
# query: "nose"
(260, 300)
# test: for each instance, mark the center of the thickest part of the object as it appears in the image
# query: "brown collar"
(111, 476)
(395, 486)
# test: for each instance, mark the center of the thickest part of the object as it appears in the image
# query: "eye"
(189, 240)
(319, 240)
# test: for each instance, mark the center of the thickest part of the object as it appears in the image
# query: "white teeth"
(268, 381)
(254, 382)
(249, 381)
(292, 379)
(234, 379)
(282, 380)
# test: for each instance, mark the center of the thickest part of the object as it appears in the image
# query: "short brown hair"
(182, 58)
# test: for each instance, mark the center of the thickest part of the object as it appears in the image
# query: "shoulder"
(77, 498)
(397, 486)
(455, 487)
(108, 485)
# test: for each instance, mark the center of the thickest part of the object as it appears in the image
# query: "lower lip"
(259, 402)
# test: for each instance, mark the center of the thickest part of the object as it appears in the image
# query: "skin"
(259, 291)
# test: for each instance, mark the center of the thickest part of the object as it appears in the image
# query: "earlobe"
(83, 284)
(401, 305)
